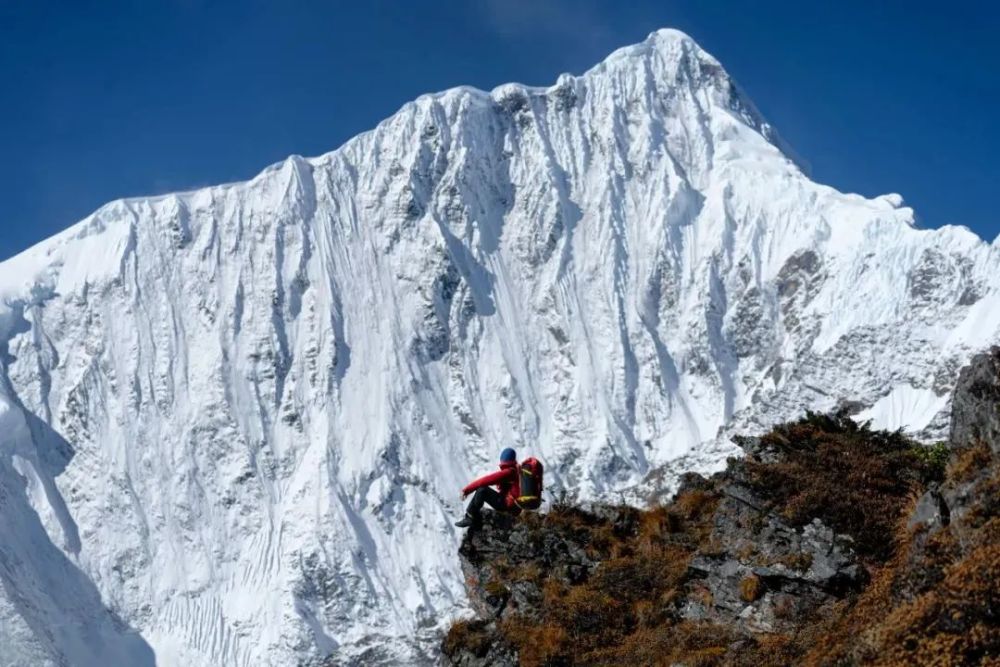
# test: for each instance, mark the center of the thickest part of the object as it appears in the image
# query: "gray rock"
(755, 448)
(763, 574)
(976, 403)
(931, 511)
(504, 542)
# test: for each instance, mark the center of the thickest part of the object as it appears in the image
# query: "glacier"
(235, 421)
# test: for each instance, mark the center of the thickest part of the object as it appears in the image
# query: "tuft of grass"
(751, 588)
(496, 588)
(470, 635)
(800, 561)
(969, 461)
(542, 645)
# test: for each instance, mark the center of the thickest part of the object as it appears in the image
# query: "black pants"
(486, 495)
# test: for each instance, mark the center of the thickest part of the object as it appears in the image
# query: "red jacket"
(507, 481)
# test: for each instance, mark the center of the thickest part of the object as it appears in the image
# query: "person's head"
(508, 457)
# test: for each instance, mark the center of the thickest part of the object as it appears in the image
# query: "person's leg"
(488, 496)
(482, 496)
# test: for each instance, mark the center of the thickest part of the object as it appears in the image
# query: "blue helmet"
(508, 456)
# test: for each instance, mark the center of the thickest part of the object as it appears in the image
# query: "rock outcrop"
(764, 574)
(976, 403)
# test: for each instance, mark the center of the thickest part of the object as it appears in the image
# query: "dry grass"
(627, 607)
(855, 480)
(934, 605)
(751, 588)
(969, 461)
(470, 635)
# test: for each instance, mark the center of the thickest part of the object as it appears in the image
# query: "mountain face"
(236, 420)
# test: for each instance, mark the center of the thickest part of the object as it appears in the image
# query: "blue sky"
(105, 99)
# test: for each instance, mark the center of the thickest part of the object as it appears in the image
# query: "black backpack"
(530, 472)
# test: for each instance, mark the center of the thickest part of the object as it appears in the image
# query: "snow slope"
(251, 406)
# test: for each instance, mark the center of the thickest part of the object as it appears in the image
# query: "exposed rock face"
(764, 575)
(503, 545)
(976, 403)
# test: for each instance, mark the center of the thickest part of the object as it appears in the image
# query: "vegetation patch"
(855, 480)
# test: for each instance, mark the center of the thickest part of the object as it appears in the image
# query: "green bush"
(935, 458)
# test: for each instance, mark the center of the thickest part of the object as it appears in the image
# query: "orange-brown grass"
(542, 644)
(953, 623)
(470, 635)
(936, 605)
(969, 461)
(644, 556)
(751, 588)
(956, 623)
(688, 643)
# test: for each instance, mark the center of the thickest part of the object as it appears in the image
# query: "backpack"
(530, 472)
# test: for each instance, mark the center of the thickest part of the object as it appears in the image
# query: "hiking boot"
(466, 522)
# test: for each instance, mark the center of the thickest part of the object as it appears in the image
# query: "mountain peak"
(670, 61)
(668, 41)
(675, 52)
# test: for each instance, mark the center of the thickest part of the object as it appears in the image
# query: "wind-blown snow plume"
(245, 412)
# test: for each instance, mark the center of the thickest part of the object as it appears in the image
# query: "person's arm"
(489, 480)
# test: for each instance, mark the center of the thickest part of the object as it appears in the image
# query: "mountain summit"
(238, 418)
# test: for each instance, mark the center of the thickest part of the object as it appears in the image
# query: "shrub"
(857, 481)
(471, 635)
(934, 457)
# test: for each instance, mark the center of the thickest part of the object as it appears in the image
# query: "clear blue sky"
(105, 99)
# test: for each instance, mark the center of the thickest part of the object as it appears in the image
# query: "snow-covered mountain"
(235, 421)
